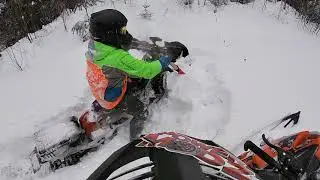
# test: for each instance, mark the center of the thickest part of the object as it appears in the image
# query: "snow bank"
(248, 68)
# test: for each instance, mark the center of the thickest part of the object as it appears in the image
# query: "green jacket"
(120, 59)
(116, 64)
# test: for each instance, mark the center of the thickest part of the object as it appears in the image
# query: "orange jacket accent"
(98, 84)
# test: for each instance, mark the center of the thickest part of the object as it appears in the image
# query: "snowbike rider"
(111, 70)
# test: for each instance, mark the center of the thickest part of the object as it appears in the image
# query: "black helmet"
(109, 27)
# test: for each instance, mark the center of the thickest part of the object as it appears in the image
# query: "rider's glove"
(165, 61)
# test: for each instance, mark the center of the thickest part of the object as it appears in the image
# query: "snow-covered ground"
(249, 66)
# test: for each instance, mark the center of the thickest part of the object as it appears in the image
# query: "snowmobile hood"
(185, 157)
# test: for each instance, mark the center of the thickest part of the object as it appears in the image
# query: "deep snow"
(249, 67)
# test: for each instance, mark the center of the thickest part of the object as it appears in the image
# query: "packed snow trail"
(248, 68)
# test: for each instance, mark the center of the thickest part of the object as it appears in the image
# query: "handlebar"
(154, 51)
(249, 145)
(285, 164)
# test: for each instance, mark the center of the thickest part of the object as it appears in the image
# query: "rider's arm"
(138, 68)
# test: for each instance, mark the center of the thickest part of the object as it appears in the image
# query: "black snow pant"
(136, 108)
(133, 105)
(130, 104)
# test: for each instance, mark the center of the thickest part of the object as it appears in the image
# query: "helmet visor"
(123, 30)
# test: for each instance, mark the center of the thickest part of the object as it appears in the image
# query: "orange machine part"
(88, 127)
(258, 162)
(300, 139)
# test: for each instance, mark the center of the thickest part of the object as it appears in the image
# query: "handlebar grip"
(263, 155)
(176, 68)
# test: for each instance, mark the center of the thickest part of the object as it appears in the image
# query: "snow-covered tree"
(81, 28)
(146, 13)
(20, 18)
(1, 7)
